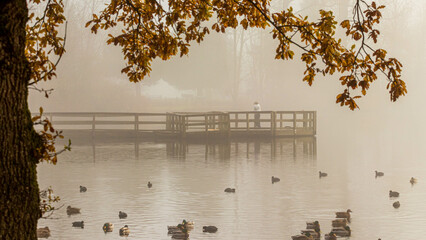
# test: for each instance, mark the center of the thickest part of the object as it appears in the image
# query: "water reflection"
(189, 179)
(188, 182)
(249, 148)
(306, 147)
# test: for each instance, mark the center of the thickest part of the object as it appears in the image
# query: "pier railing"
(186, 124)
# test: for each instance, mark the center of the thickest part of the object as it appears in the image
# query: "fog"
(230, 71)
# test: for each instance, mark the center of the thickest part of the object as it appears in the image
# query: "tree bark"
(19, 192)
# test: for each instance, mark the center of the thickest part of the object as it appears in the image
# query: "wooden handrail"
(183, 122)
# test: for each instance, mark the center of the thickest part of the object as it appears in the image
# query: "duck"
(230, 190)
(302, 237)
(124, 231)
(78, 224)
(342, 231)
(396, 204)
(275, 179)
(413, 180)
(330, 236)
(108, 227)
(43, 232)
(83, 189)
(181, 231)
(342, 222)
(346, 214)
(188, 224)
(184, 227)
(173, 230)
(149, 185)
(178, 228)
(311, 232)
(393, 194)
(72, 210)
(379, 174)
(322, 174)
(180, 235)
(122, 215)
(210, 229)
(313, 225)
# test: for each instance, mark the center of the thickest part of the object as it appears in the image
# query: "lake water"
(189, 181)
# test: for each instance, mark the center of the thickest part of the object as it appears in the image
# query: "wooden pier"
(191, 125)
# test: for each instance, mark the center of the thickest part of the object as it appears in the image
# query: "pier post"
(305, 118)
(168, 127)
(180, 125)
(212, 122)
(93, 123)
(206, 124)
(248, 122)
(228, 124)
(315, 122)
(220, 123)
(183, 126)
(294, 123)
(136, 123)
(173, 123)
(273, 123)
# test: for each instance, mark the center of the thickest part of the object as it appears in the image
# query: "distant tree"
(31, 47)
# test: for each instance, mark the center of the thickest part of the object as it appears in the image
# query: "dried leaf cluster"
(151, 29)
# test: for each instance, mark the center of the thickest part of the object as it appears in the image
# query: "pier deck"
(186, 125)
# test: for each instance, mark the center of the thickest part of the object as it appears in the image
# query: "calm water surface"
(189, 182)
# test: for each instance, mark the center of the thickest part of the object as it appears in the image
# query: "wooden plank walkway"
(185, 125)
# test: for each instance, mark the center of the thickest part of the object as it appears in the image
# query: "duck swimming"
(122, 215)
(342, 232)
(72, 210)
(83, 189)
(342, 222)
(180, 235)
(124, 231)
(189, 225)
(173, 230)
(184, 227)
(322, 174)
(311, 232)
(396, 204)
(230, 190)
(313, 225)
(275, 179)
(393, 194)
(330, 236)
(379, 174)
(78, 224)
(346, 214)
(302, 237)
(209, 229)
(149, 185)
(108, 227)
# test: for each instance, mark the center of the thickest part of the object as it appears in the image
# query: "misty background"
(228, 72)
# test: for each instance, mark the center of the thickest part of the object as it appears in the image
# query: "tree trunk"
(19, 193)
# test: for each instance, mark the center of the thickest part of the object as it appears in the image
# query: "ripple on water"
(192, 187)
